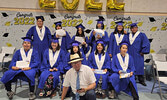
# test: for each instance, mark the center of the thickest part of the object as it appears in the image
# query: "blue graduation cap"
(124, 43)
(80, 26)
(75, 43)
(100, 20)
(100, 41)
(133, 25)
(27, 39)
(40, 17)
(55, 40)
(58, 23)
(120, 23)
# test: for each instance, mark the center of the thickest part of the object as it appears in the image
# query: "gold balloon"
(70, 6)
(91, 5)
(113, 5)
(46, 4)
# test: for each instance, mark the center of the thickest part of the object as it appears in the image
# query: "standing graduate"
(41, 36)
(51, 67)
(74, 49)
(116, 38)
(65, 40)
(139, 45)
(30, 57)
(93, 37)
(80, 33)
(123, 63)
(100, 60)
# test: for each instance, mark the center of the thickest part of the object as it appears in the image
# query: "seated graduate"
(65, 40)
(27, 56)
(80, 33)
(74, 49)
(122, 64)
(51, 67)
(93, 36)
(100, 60)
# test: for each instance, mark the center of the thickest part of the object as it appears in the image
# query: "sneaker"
(31, 96)
(10, 94)
(111, 94)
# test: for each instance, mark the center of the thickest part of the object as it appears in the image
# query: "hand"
(55, 69)
(125, 32)
(110, 55)
(57, 36)
(93, 69)
(105, 70)
(15, 68)
(98, 37)
(131, 74)
(51, 70)
(94, 32)
(84, 43)
(120, 72)
(27, 68)
(141, 54)
(81, 90)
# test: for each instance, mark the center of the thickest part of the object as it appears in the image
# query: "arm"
(110, 45)
(30, 32)
(65, 89)
(49, 35)
(90, 60)
(145, 44)
(34, 60)
(45, 65)
(68, 40)
(113, 66)
(14, 60)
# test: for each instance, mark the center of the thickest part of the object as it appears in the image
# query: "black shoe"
(143, 83)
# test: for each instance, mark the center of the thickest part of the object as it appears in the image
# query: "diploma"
(22, 64)
(61, 32)
(97, 71)
(79, 39)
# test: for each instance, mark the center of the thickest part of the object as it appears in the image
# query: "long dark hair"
(102, 26)
(79, 53)
(116, 30)
(82, 35)
(96, 52)
(57, 48)
(56, 27)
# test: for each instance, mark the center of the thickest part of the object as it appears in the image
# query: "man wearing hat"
(139, 45)
(81, 79)
(41, 36)
(29, 57)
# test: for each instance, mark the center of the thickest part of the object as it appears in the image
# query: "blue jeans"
(89, 95)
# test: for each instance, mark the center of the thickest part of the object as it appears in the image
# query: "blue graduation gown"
(113, 48)
(67, 59)
(106, 65)
(37, 44)
(34, 63)
(65, 43)
(140, 45)
(92, 41)
(84, 48)
(122, 84)
(46, 66)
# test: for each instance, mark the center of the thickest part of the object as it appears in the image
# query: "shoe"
(111, 94)
(31, 96)
(53, 94)
(143, 83)
(103, 95)
(10, 95)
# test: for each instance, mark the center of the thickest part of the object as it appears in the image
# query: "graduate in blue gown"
(64, 41)
(139, 45)
(100, 60)
(51, 67)
(28, 56)
(41, 36)
(123, 63)
(80, 33)
(93, 37)
(116, 37)
(74, 49)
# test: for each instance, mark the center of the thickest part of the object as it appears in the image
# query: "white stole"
(24, 57)
(99, 63)
(132, 39)
(123, 64)
(60, 40)
(53, 59)
(41, 35)
(118, 39)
